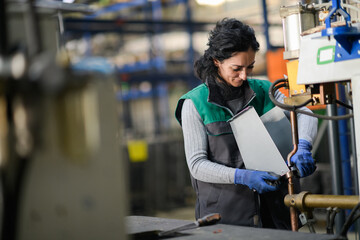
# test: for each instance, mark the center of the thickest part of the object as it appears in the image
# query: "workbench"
(141, 224)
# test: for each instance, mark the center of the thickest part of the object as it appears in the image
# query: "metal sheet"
(279, 128)
(257, 147)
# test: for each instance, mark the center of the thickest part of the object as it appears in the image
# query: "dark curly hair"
(228, 37)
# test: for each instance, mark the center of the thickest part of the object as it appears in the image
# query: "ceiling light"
(210, 2)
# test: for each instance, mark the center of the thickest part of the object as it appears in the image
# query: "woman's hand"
(303, 159)
(256, 180)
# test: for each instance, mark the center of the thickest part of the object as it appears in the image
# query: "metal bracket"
(342, 34)
(306, 219)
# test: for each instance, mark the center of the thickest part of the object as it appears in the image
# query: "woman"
(222, 184)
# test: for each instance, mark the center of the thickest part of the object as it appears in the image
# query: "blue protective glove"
(303, 159)
(255, 180)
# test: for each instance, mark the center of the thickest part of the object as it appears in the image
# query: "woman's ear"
(216, 62)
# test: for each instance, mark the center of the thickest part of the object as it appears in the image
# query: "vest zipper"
(232, 114)
(252, 98)
(221, 106)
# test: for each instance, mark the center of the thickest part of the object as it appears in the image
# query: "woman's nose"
(243, 74)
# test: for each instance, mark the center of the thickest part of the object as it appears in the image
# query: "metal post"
(32, 30)
(3, 28)
(355, 84)
(60, 38)
(155, 98)
(333, 135)
(3, 52)
(266, 25)
(190, 57)
(190, 32)
(353, 148)
(344, 145)
(156, 52)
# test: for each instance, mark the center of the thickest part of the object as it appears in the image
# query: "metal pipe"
(336, 172)
(344, 146)
(305, 201)
(353, 147)
(290, 175)
(294, 134)
(355, 89)
(293, 213)
(354, 156)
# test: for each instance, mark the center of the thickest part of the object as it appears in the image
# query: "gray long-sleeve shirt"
(195, 141)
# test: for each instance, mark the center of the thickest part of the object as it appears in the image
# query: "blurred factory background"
(149, 47)
(126, 64)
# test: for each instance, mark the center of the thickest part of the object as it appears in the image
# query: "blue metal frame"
(336, 8)
(117, 7)
(266, 25)
(346, 36)
(75, 25)
(341, 54)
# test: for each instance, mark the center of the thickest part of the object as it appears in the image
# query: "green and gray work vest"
(237, 204)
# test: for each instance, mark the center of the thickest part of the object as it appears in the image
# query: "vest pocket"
(223, 148)
(218, 128)
(213, 198)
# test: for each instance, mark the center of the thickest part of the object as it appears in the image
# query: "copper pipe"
(293, 213)
(294, 134)
(290, 175)
(305, 201)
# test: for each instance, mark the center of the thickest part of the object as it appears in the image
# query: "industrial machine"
(61, 168)
(322, 49)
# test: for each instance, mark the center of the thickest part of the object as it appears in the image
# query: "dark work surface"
(143, 227)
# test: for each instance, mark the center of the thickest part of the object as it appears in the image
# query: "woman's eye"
(250, 67)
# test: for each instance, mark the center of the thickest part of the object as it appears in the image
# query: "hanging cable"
(329, 227)
(325, 117)
(344, 104)
(330, 219)
(272, 90)
(274, 86)
(349, 221)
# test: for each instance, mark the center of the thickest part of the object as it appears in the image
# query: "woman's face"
(235, 69)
